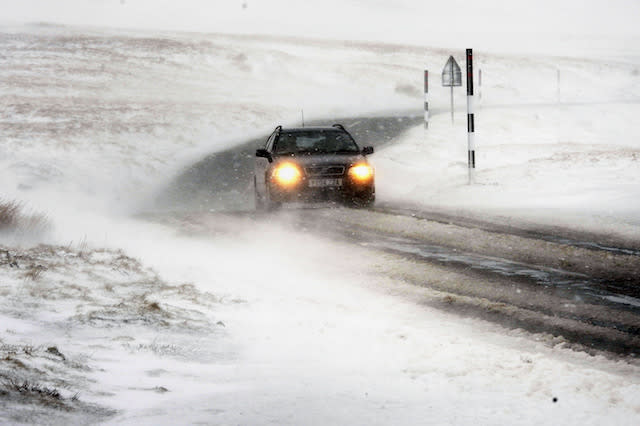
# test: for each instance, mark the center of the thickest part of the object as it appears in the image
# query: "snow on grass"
(65, 310)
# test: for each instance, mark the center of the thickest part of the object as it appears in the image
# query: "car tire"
(362, 202)
(271, 205)
(264, 203)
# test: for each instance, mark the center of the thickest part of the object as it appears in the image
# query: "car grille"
(324, 171)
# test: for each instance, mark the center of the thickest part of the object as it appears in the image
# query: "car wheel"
(270, 204)
(362, 202)
(264, 203)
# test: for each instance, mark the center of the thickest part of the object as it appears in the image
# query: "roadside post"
(558, 86)
(426, 99)
(471, 143)
(451, 77)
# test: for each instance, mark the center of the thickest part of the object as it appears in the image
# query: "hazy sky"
(393, 19)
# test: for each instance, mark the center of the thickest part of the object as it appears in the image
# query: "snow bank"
(565, 165)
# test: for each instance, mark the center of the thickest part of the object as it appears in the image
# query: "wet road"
(589, 296)
(580, 287)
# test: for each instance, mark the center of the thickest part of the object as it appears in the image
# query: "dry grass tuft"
(35, 272)
(153, 306)
(28, 392)
(33, 388)
(54, 351)
(14, 220)
(9, 214)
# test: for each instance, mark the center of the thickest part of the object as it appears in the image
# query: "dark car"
(311, 164)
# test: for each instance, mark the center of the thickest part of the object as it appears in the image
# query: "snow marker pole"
(480, 86)
(426, 99)
(471, 143)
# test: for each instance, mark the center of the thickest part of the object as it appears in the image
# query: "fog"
(497, 16)
(566, 27)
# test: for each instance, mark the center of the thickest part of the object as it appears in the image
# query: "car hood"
(323, 159)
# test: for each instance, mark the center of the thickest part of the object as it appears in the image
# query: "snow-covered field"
(119, 319)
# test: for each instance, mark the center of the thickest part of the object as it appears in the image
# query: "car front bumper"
(310, 191)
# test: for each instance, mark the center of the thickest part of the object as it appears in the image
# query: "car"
(313, 164)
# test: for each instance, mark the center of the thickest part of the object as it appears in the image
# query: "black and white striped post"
(426, 99)
(471, 145)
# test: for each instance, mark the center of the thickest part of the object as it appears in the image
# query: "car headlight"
(287, 174)
(361, 172)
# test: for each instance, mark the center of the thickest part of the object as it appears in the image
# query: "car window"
(316, 141)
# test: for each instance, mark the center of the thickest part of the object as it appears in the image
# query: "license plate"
(321, 183)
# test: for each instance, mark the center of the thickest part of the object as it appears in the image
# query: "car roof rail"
(339, 126)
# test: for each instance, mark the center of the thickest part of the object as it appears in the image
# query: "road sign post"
(451, 77)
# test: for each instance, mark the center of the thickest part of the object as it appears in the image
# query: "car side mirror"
(367, 150)
(264, 154)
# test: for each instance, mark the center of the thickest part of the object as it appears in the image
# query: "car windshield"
(315, 141)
